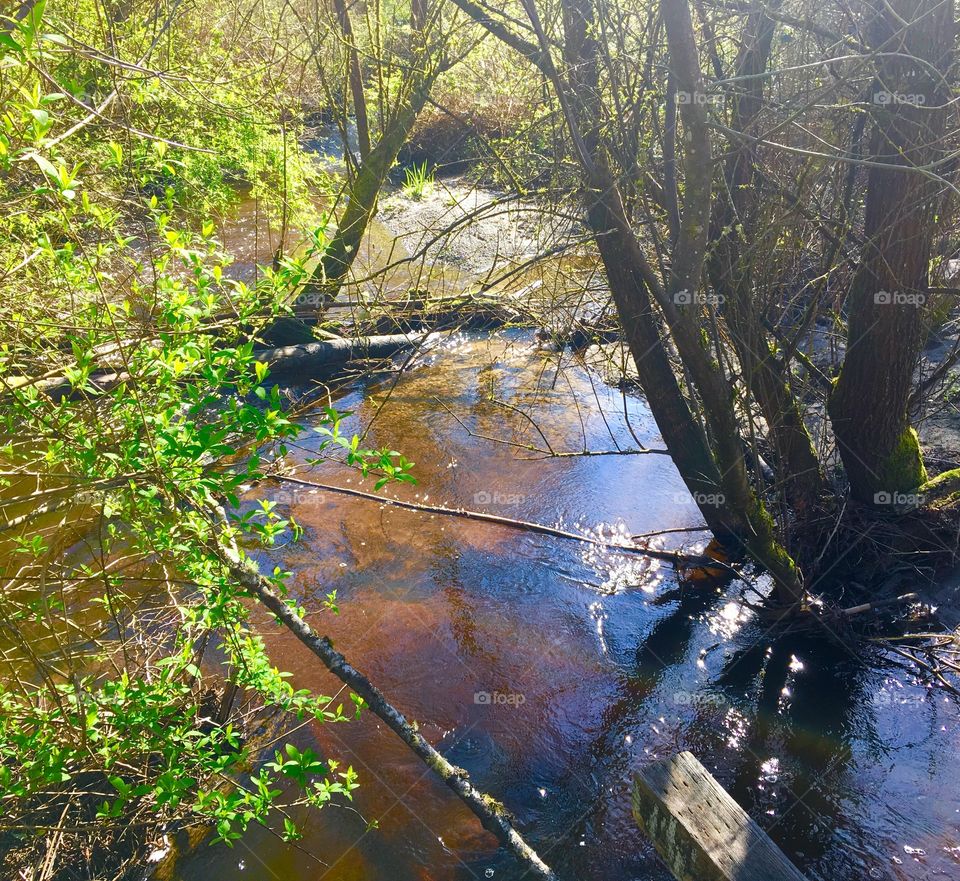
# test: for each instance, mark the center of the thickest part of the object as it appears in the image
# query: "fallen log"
(312, 357)
(305, 358)
(444, 313)
(700, 832)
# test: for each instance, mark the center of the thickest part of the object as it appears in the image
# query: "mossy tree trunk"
(421, 69)
(363, 193)
(869, 404)
(756, 529)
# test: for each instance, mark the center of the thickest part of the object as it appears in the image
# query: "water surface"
(552, 671)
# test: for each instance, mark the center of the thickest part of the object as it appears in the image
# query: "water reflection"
(529, 661)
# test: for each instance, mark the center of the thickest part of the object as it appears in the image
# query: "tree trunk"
(364, 189)
(362, 195)
(645, 338)
(734, 222)
(756, 530)
(355, 77)
(731, 507)
(869, 404)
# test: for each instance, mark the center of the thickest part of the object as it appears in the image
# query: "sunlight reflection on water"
(615, 658)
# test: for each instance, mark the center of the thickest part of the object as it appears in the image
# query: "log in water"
(701, 833)
(310, 357)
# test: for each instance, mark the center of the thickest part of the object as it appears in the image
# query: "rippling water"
(553, 671)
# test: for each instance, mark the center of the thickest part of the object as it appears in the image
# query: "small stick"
(867, 607)
(670, 556)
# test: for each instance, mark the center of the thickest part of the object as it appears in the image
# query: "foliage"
(237, 133)
(136, 417)
(139, 426)
(418, 181)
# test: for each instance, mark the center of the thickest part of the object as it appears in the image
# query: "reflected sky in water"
(553, 670)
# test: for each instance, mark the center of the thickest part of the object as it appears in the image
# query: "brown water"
(552, 672)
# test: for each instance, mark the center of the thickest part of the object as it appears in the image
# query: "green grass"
(418, 181)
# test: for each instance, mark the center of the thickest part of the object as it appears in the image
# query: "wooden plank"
(701, 833)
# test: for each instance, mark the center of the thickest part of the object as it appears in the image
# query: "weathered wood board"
(701, 833)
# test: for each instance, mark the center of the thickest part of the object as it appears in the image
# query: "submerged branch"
(492, 815)
(675, 557)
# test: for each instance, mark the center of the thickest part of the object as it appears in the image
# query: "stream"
(553, 670)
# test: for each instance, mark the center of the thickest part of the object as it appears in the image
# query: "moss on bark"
(903, 469)
(942, 490)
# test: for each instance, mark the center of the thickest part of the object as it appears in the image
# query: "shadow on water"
(552, 673)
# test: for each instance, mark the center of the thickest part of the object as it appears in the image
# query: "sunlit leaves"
(175, 441)
(154, 406)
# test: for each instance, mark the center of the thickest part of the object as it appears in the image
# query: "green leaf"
(290, 831)
(46, 166)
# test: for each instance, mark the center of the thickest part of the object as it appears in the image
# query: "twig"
(549, 453)
(492, 814)
(674, 529)
(880, 604)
